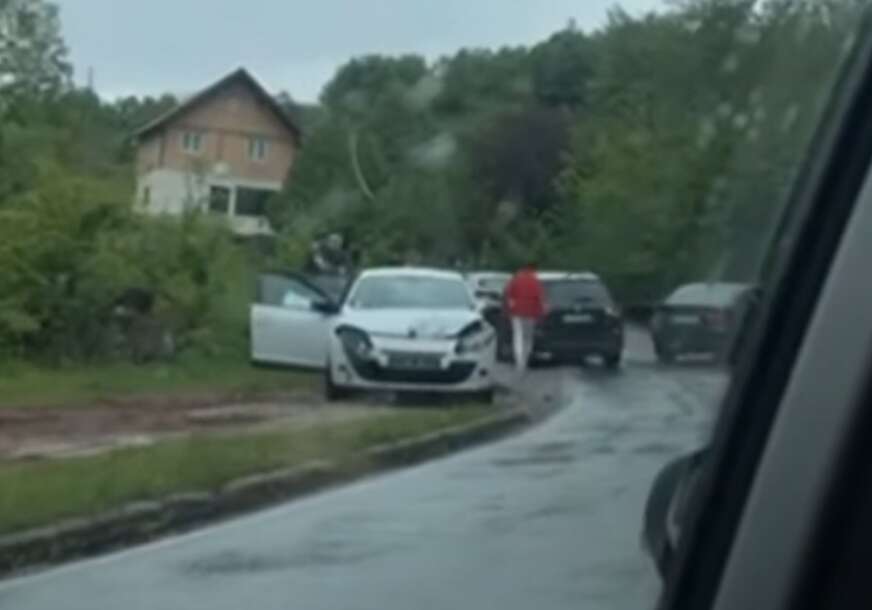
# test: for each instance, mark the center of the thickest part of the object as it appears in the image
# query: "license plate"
(414, 362)
(684, 319)
(578, 318)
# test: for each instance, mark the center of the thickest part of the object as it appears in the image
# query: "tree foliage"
(699, 120)
(654, 150)
(70, 243)
(33, 57)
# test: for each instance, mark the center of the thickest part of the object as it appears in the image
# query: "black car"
(581, 320)
(699, 318)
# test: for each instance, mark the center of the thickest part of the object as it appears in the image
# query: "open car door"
(289, 321)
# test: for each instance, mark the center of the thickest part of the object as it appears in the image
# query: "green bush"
(70, 245)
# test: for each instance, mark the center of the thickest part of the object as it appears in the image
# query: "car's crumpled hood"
(420, 323)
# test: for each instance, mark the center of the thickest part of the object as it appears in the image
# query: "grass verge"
(24, 385)
(36, 494)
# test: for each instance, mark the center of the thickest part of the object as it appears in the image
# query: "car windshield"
(410, 292)
(563, 293)
(251, 251)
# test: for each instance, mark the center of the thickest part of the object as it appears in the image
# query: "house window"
(252, 202)
(192, 142)
(258, 148)
(219, 199)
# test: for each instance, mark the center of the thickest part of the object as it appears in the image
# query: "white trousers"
(522, 340)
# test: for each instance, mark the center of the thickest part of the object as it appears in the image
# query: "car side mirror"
(324, 306)
(666, 507)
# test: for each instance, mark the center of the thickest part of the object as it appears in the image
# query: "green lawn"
(39, 493)
(29, 385)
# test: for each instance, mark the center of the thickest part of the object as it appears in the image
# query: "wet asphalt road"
(548, 519)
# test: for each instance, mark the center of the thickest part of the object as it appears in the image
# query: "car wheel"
(612, 361)
(332, 391)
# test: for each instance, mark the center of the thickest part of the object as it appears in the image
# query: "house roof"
(240, 75)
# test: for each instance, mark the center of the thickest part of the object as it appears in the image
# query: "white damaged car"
(397, 329)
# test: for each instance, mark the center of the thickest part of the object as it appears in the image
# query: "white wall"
(171, 192)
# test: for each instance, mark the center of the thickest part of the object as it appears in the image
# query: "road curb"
(140, 522)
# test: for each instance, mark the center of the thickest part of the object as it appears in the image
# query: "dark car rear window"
(560, 293)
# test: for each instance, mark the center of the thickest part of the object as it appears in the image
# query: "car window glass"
(333, 285)
(564, 293)
(297, 299)
(284, 291)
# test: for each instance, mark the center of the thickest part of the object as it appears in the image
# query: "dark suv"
(581, 320)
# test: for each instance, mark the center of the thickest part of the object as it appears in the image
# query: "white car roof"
(480, 277)
(412, 271)
(567, 275)
(488, 274)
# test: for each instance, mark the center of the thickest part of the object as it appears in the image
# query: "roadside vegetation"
(212, 379)
(603, 150)
(47, 491)
(643, 151)
(653, 151)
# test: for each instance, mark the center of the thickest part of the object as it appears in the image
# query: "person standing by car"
(329, 256)
(525, 303)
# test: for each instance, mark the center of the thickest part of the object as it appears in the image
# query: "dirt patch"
(59, 432)
(62, 432)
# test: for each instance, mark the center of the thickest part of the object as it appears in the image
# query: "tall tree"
(33, 57)
(562, 69)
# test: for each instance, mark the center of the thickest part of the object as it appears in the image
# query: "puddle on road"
(557, 452)
(232, 562)
(493, 504)
(534, 460)
(574, 510)
(657, 448)
(322, 553)
(554, 447)
(603, 449)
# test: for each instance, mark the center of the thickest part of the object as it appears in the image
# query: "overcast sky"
(152, 46)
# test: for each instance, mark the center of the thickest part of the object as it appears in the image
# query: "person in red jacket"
(525, 302)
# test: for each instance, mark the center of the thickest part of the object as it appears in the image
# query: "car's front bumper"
(453, 373)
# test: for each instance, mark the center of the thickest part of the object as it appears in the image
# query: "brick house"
(226, 149)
